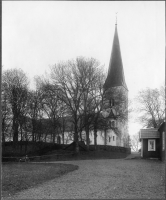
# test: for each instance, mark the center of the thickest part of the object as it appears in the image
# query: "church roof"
(115, 75)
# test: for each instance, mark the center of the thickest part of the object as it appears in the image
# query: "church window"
(113, 138)
(111, 102)
(113, 124)
(109, 139)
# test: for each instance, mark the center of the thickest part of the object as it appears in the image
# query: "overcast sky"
(37, 34)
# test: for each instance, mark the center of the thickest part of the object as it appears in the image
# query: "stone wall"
(111, 148)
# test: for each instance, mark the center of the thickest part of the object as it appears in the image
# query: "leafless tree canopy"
(151, 107)
(70, 99)
(135, 143)
(79, 83)
(15, 84)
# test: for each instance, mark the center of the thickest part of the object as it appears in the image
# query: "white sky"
(37, 34)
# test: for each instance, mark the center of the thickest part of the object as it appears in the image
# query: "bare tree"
(135, 143)
(63, 120)
(15, 87)
(52, 105)
(89, 75)
(65, 76)
(151, 108)
(6, 114)
(97, 105)
(35, 111)
(75, 80)
(80, 83)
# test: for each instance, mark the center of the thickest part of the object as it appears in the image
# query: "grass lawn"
(20, 176)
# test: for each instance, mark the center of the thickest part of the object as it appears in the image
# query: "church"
(115, 81)
(113, 111)
(115, 85)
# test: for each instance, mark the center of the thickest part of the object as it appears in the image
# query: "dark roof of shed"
(162, 127)
(149, 133)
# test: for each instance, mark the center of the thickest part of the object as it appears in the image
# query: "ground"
(104, 179)
(18, 176)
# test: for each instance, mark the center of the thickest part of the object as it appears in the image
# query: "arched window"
(112, 102)
(113, 124)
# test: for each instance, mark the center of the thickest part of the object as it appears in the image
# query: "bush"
(33, 149)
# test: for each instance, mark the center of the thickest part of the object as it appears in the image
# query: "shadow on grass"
(20, 176)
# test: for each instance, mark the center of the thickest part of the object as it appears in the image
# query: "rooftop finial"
(116, 18)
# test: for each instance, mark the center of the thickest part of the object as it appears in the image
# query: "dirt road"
(104, 179)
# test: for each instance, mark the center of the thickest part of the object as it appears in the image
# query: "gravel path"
(104, 179)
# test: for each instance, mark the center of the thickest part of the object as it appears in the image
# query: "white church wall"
(123, 128)
(111, 138)
(100, 138)
(68, 137)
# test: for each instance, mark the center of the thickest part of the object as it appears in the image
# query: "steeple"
(116, 19)
(115, 75)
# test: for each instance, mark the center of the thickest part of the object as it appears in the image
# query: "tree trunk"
(15, 132)
(53, 137)
(105, 137)
(95, 138)
(26, 145)
(3, 136)
(81, 135)
(35, 137)
(77, 147)
(21, 138)
(87, 137)
(63, 138)
(45, 138)
(33, 130)
(3, 140)
(55, 128)
(63, 130)
(76, 138)
(3, 131)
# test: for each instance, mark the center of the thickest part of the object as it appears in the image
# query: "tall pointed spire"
(115, 75)
(116, 18)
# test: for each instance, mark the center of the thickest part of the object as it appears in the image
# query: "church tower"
(115, 75)
(116, 93)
